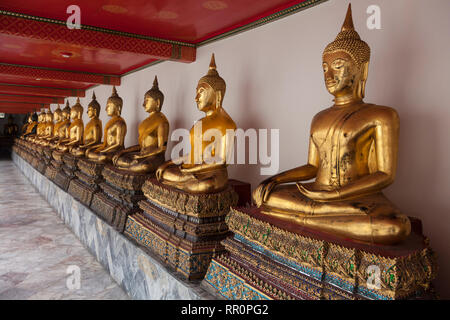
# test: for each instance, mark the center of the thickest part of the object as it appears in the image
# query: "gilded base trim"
(197, 205)
(188, 259)
(346, 268)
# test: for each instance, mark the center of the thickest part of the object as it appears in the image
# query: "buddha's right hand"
(160, 171)
(116, 157)
(262, 192)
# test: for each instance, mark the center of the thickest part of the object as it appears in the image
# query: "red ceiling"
(155, 30)
(48, 54)
(182, 20)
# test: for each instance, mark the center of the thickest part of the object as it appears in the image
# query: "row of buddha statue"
(353, 149)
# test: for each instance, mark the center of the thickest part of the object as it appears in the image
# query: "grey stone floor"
(38, 251)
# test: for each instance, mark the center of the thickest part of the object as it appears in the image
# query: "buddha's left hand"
(318, 195)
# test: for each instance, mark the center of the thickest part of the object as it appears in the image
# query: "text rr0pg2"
(236, 309)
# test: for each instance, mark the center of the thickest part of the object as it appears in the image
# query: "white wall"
(274, 80)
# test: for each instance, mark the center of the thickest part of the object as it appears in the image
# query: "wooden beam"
(52, 74)
(40, 91)
(30, 99)
(20, 25)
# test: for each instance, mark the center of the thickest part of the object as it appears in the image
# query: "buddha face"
(205, 97)
(57, 116)
(112, 109)
(49, 117)
(73, 114)
(30, 119)
(65, 115)
(151, 104)
(340, 72)
(91, 112)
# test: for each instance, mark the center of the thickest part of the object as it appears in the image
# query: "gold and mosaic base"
(125, 180)
(189, 227)
(81, 191)
(50, 172)
(197, 205)
(189, 259)
(85, 183)
(119, 195)
(326, 267)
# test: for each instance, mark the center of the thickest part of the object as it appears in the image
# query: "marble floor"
(40, 257)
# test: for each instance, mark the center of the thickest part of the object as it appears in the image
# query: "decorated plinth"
(65, 170)
(19, 147)
(36, 159)
(268, 259)
(119, 195)
(53, 167)
(185, 230)
(87, 181)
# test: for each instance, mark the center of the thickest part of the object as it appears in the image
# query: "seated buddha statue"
(31, 125)
(148, 155)
(75, 131)
(62, 131)
(57, 121)
(353, 149)
(40, 127)
(92, 134)
(198, 174)
(48, 129)
(114, 133)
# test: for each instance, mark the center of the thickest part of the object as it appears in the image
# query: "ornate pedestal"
(66, 171)
(87, 181)
(52, 166)
(119, 196)
(183, 229)
(268, 259)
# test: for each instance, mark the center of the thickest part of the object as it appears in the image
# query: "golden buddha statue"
(75, 131)
(352, 156)
(200, 174)
(92, 132)
(39, 128)
(114, 133)
(57, 121)
(62, 130)
(48, 129)
(31, 125)
(148, 155)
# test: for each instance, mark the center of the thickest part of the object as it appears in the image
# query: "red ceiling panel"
(41, 91)
(117, 36)
(188, 20)
(30, 99)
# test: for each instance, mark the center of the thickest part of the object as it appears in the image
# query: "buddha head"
(57, 114)
(114, 104)
(49, 116)
(41, 117)
(66, 111)
(210, 89)
(76, 111)
(154, 98)
(346, 62)
(93, 107)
